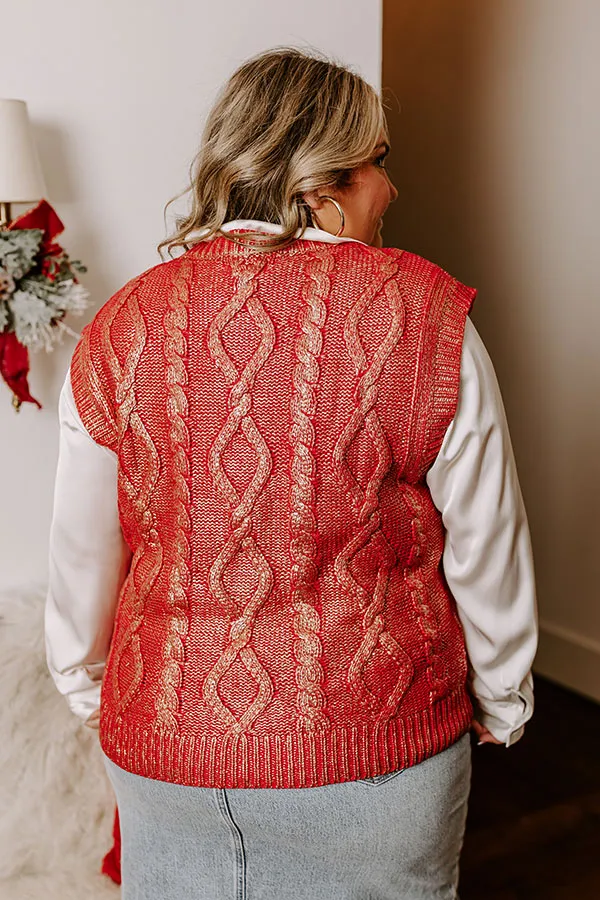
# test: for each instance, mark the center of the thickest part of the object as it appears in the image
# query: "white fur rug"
(55, 800)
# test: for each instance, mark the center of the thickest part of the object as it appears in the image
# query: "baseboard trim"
(569, 659)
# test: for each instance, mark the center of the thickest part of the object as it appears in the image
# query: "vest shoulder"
(147, 283)
(412, 262)
(416, 269)
(405, 260)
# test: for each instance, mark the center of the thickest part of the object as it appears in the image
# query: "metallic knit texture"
(285, 621)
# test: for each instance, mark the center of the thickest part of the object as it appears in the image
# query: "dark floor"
(533, 831)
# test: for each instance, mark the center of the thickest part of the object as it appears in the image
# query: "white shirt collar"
(311, 234)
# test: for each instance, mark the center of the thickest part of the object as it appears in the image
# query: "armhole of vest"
(96, 413)
(447, 363)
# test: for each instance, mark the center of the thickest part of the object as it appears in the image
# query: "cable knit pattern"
(428, 624)
(285, 621)
(241, 540)
(366, 502)
(137, 483)
(303, 521)
(176, 326)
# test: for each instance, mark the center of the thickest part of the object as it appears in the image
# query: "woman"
(288, 538)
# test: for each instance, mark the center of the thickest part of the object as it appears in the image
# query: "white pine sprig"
(33, 320)
(18, 250)
(73, 297)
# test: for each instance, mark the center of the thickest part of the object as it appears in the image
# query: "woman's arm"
(487, 557)
(89, 560)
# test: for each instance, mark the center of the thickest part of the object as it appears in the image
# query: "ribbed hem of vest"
(448, 359)
(294, 760)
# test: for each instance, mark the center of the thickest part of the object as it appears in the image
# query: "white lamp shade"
(21, 179)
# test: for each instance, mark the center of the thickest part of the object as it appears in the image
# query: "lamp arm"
(5, 214)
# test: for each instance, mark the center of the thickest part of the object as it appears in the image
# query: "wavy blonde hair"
(286, 122)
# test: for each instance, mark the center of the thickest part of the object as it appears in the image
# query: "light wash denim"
(394, 837)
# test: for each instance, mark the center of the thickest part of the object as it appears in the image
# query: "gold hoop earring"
(340, 230)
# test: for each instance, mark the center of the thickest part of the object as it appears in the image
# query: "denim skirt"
(393, 837)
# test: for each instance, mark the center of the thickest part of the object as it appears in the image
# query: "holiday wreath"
(38, 287)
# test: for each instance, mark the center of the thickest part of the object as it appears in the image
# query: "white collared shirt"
(473, 482)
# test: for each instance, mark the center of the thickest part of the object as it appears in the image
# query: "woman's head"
(287, 130)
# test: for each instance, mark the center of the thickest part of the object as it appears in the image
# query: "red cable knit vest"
(285, 620)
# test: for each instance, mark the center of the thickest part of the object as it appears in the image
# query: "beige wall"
(496, 153)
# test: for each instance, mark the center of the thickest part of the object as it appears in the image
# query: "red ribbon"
(14, 367)
(43, 217)
(14, 357)
(111, 864)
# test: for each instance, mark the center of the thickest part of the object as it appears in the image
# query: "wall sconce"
(21, 179)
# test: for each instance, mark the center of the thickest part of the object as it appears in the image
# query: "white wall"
(117, 92)
(496, 153)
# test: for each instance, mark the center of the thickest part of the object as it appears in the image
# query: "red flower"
(48, 269)
(52, 249)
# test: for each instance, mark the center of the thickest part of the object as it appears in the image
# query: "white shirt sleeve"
(89, 560)
(487, 557)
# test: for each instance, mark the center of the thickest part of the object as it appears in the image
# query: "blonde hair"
(285, 123)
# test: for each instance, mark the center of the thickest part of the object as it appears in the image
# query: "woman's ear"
(312, 199)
